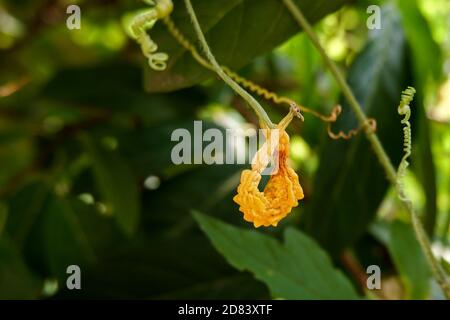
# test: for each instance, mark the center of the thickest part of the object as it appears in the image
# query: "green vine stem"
(262, 115)
(438, 272)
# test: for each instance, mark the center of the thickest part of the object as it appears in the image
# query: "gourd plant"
(283, 190)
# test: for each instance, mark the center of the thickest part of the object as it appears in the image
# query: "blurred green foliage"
(86, 176)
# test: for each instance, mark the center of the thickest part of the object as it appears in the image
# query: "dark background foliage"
(86, 176)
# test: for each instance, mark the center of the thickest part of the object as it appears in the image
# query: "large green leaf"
(425, 51)
(350, 182)
(102, 92)
(297, 269)
(116, 183)
(237, 31)
(148, 149)
(25, 209)
(59, 231)
(423, 162)
(408, 257)
(16, 280)
(409, 260)
(207, 188)
(187, 268)
(64, 240)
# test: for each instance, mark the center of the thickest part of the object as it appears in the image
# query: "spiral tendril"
(145, 21)
(405, 110)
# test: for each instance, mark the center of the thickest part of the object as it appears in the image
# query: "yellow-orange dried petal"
(282, 192)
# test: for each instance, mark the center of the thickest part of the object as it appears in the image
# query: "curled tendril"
(335, 112)
(370, 125)
(144, 22)
(405, 110)
(282, 192)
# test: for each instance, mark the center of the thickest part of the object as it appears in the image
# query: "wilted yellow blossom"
(282, 192)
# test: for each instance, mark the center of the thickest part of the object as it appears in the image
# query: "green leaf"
(208, 188)
(103, 93)
(64, 240)
(426, 52)
(16, 281)
(408, 258)
(187, 268)
(350, 183)
(116, 183)
(60, 232)
(25, 209)
(236, 30)
(148, 149)
(297, 269)
(423, 161)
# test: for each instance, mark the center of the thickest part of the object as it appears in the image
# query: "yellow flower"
(282, 192)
